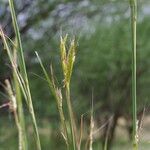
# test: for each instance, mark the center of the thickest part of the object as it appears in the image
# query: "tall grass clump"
(21, 81)
(133, 7)
(67, 62)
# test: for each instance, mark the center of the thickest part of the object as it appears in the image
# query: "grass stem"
(71, 116)
(133, 6)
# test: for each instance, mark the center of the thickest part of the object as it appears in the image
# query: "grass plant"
(20, 85)
(20, 74)
(67, 62)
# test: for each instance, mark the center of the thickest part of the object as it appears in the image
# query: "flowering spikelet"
(13, 103)
(67, 58)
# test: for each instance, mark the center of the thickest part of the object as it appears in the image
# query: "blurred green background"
(103, 66)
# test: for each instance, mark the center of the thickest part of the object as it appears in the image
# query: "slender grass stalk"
(71, 116)
(18, 39)
(133, 7)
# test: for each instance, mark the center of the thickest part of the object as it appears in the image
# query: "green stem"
(71, 118)
(133, 6)
(31, 110)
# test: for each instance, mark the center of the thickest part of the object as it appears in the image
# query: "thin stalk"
(133, 6)
(71, 116)
(18, 38)
(31, 110)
